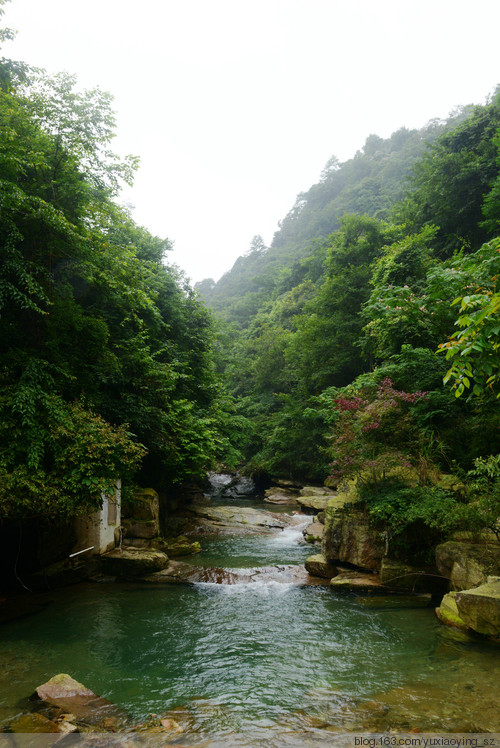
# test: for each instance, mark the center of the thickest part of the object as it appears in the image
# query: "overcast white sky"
(234, 106)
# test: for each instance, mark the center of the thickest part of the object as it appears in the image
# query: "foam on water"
(258, 587)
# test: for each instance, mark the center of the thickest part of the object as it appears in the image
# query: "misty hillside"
(369, 183)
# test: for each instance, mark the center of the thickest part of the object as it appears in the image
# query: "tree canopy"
(106, 352)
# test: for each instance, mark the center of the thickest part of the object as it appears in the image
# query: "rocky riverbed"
(240, 645)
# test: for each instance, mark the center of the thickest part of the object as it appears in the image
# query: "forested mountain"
(334, 348)
(106, 367)
(329, 349)
(369, 183)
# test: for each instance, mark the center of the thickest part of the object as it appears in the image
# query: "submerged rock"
(467, 565)
(33, 723)
(133, 562)
(183, 573)
(316, 491)
(318, 566)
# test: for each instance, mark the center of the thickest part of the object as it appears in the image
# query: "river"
(261, 662)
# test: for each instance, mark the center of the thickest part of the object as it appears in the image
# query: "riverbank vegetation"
(364, 342)
(106, 365)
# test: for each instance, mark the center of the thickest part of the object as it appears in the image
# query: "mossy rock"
(349, 537)
(448, 612)
(181, 546)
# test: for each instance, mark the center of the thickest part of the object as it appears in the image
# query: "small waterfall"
(293, 533)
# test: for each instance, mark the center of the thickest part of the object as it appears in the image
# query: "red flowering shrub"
(376, 433)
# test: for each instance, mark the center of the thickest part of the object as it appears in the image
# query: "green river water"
(266, 662)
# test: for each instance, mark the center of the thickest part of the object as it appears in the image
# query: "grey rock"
(467, 565)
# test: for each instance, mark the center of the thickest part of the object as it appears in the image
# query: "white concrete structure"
(99, 532)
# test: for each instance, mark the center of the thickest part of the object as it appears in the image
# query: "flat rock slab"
(133, 562)
(236, 519)
(316, 491)
(316, 502)
(279, 495)
(357, 581)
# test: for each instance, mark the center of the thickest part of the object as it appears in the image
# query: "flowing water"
(253, 663)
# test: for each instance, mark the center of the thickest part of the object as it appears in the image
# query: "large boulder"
(349, 537)
(133, 562)
(479, 608)
(318, 566)
(466, 564)
(62, 687)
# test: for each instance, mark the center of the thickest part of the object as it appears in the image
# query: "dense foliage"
(364, 343)
(105, 351)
